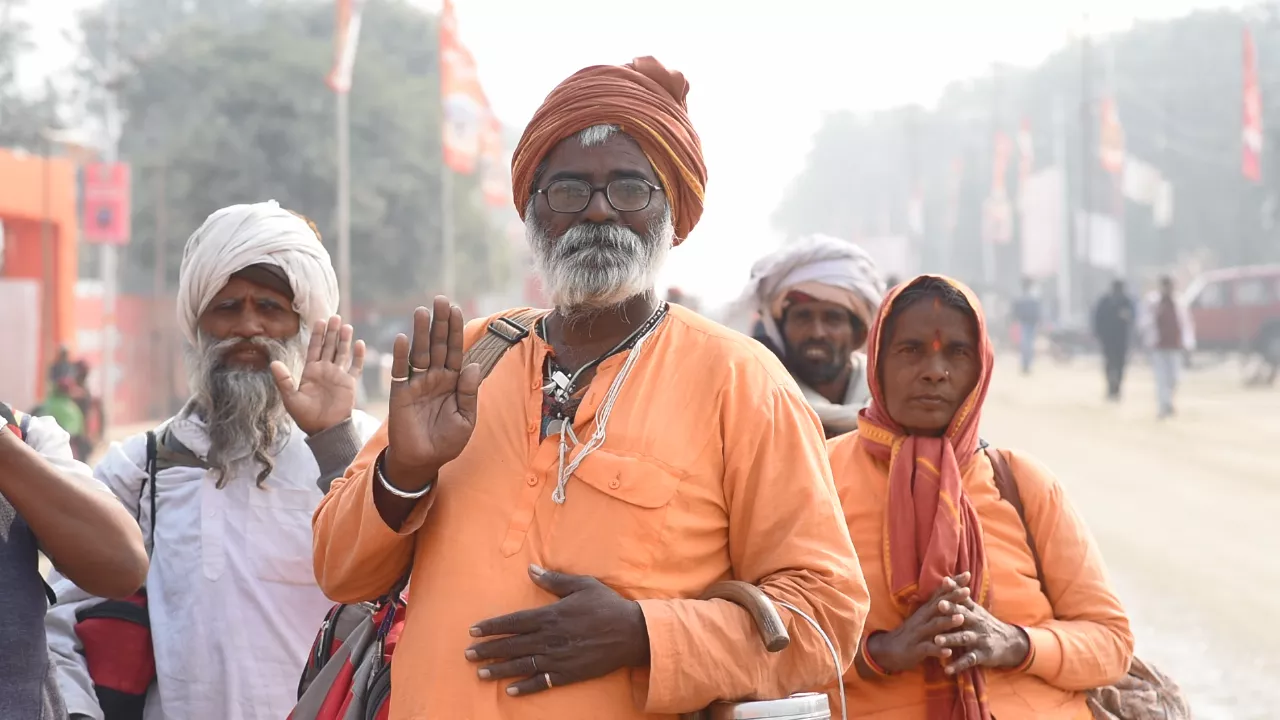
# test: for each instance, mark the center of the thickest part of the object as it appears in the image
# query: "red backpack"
(348, 671)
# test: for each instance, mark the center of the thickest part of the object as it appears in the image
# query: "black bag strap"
(153, 452)
(503, 333)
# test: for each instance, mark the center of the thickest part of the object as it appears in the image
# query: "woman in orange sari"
(960, 628)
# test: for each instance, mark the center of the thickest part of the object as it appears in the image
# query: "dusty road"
(1187, 512)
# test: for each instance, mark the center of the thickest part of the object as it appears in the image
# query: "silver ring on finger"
(546, 678)
(400, 379)
(413, 368)
(534, 660)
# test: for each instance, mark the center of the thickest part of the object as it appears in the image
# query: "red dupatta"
(932, 530)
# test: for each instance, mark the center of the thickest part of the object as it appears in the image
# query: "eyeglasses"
(623, 194)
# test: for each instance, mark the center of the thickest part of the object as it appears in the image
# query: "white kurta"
(232, 597)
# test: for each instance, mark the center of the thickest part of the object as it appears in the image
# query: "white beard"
(594, 267)
(243, 412)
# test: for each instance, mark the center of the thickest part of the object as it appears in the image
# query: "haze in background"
(761, 77)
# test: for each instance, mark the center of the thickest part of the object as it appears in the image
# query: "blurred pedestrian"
(231, 597)
(1113, 323)
(1170, 336)
(1027, 312)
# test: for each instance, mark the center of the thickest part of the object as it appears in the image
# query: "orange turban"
(646, 101)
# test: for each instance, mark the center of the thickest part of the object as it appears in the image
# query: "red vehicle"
(1237, 309)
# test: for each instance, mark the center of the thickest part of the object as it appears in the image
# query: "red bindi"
(937, 340)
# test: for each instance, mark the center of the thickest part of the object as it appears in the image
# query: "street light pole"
(344, 205)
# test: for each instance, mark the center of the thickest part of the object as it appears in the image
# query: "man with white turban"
(231, 597)
(815, 299)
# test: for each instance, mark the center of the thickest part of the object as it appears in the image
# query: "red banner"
(1251, 162)
(494, 169)
(1000, 164)
(1111, 138)
(346, 35)
(1026, 151)
(106, 203)
(466, 108)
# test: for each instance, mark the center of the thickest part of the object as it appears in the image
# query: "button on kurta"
(532, 480)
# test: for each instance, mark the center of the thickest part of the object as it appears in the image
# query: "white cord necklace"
(601, 420)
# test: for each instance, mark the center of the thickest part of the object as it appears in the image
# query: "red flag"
(1026, 150)
(465, 105)
(1000, 163)
(1111, 138)
(1251, 162)
(346, 37)
(494, 168)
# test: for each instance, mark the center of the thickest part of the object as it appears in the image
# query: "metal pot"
(804, 706)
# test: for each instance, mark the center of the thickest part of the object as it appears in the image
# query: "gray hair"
(593, 136)
(243, 412)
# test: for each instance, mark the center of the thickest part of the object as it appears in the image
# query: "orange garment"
(713, 468)
(647, 102)
(1080, 634)
(932, 530)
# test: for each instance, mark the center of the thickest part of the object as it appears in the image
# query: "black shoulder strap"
(503, 333)
(153, 453)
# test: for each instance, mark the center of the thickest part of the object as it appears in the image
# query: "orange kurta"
(1088, 644)
(714, 467)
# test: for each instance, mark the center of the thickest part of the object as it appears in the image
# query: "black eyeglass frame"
(598, 189)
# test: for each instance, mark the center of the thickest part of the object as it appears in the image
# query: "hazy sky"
(762, 75)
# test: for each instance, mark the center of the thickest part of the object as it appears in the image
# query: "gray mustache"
(597, 237)
(275, 349)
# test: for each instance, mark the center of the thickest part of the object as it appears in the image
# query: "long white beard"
(594, 267)
(242, 409)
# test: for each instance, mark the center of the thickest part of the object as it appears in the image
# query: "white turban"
(236, 237)
(827, 268)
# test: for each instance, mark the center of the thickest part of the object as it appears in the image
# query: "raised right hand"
(432, 414)
(915, 640)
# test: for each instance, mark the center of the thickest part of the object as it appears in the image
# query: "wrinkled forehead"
(596, 154)
(267, 277)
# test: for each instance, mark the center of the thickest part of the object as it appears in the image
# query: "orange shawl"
(932, 529)
(647, 102)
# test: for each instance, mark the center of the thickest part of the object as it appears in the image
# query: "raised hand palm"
(326, 393)
(432, 409)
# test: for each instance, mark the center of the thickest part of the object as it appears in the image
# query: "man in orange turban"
(643, 100)
(562, 521)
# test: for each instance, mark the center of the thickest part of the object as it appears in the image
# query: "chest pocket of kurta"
(279, 534)
(612, 523)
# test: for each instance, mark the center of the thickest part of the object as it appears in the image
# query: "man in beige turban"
(224, 490)
(815, 299)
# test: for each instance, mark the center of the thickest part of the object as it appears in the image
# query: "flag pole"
(447, 277)
(346, 37)
(447, 262)
(344, 205)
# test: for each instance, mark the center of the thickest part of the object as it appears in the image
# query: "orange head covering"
(932, 530)
(646, 101)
